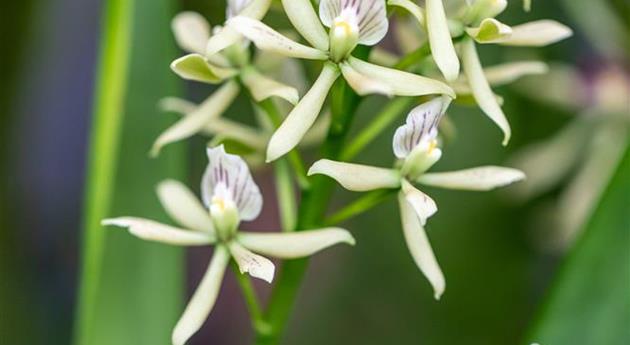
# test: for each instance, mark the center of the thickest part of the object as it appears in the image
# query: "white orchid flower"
(230, 196)
(230, 68)
(416, 146)
(480, 25)
(349, 23)
(585, 153)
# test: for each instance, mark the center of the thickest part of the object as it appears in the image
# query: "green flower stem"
(360, 205)
(286, 195)
(414, 58)
(108, 115)
(251, 300)
(388, 114)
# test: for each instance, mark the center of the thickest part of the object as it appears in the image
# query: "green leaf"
(590, 301)
(130, 290)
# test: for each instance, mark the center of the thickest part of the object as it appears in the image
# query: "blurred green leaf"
(131, 291)
(590, 302)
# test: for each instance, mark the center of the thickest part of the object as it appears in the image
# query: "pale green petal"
(256, 9)
(255, 265)
(411, 7)
(481, 89)
(293, 245)
(442, 47)
(527, 5)
(318, 131)
(191, 124)
(537, 34)
(357, 177)
(221, 40)
(503, 74)
(419, 246)
(490, 31)
(297, 123)
(262, 87)
(149, 230)
(204, 298)
(304, 19)
(361, 84)
(191, 31)
(402, 83)
(252, 137)
(266, 38)
(196, 67)
(476, 179)
(482, 9)
(183, 206)
(424, 206)
(176, 105)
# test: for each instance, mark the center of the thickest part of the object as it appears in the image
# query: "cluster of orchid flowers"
(229, 194)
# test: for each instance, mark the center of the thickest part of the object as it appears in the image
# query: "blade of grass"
(589, 303)
(130, 291)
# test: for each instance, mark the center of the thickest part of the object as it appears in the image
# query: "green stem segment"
(108, 114)
(360, 205)
(251, 300)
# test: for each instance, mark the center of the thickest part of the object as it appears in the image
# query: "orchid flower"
(349, 23)
(415, 145)
(231, 68)
(230, 196)
(476, 23)
(592, 143)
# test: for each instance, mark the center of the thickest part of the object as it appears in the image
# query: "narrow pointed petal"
(304, 19)
(266, 38)
(157, 232)
(412, 8)
(182, 205)
(361, 84)
(402, 83)
(356, 177)
(440, 40)
(370, 16)
(419, 246)
(221, 40)
(294, 245)
(230, 174)
(252, 137)
(176, 105)
(424, 206)
(490, 31)
(537, 34)
(191, 31)
(302, 117)
(256, 9)
(255, 265)
(481, 89)
(191, 124)
(503, 74)
(262, 87)
(318, 131)
(195, 67)
(203, 300)
(475, 179)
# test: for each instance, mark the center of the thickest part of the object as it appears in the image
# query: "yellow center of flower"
(432, 145)
(343, 25)
(219, 203)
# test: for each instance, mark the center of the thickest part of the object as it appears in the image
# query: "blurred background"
(510, 279)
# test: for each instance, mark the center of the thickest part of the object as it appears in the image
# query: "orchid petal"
(411, 7)
(304, 19)
(419, 246)
(402, 83)
(371, 17)
(361, 84)
(150, 230)
(422, 204)
(482, 9)
(176, 105)
(293, 245)
(256, 9)
(266, 38)
(211, 108)
(182, 205)
(203, 300)
(504, 74)
(235, 7)
(490, 31)
(481, 89)
(192, 31)
(302, 117)
(249, 136)
(221, 40)
(262, 87)
(255, 265)
(476, 179)
(231, 172)
(356, 177)
(537, 34)
(440, 40)
(421, 126)
(195, 67)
